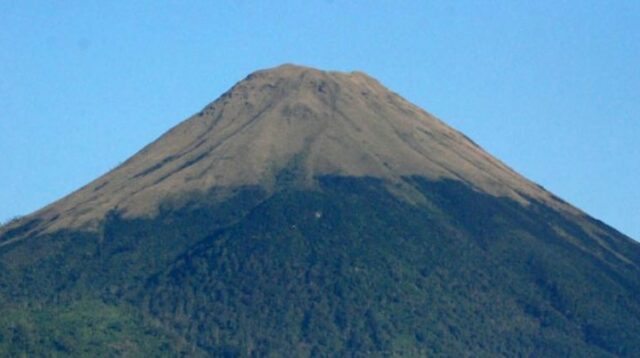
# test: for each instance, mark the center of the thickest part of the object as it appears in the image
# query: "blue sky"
(552, 88)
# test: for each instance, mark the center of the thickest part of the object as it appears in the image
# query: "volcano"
(316, 213)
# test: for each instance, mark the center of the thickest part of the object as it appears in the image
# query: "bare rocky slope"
(323, 123)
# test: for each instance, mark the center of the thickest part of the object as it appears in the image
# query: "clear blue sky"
(550, 87)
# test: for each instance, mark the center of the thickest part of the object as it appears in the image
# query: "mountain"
(315, 213)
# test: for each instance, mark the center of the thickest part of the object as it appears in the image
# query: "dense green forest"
(345, 269)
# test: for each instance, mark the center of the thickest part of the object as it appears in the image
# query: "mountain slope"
(328, 123)
(316, 213)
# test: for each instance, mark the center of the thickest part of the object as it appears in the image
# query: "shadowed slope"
(345, 269)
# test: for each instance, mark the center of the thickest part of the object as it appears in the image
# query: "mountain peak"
(292, 117)
(290, 78)
(295, 70)
(310, 213)
(288, 69)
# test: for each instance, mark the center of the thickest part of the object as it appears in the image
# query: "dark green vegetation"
(346, 269)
